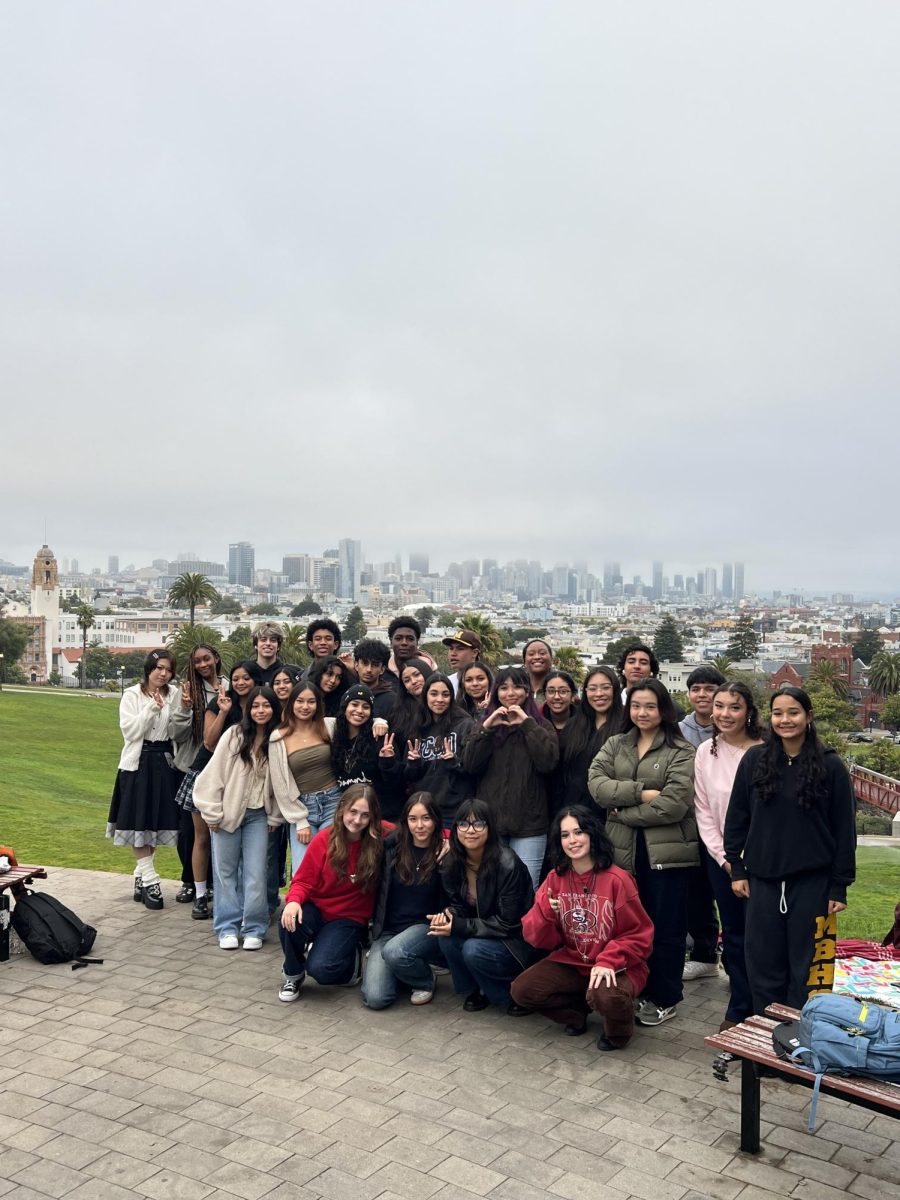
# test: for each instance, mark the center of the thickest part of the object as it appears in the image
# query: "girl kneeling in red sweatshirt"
(332, 896)
(588, 915)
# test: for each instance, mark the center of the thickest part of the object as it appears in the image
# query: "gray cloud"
(526, 279)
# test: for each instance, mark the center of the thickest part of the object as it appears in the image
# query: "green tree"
(526, 632)
(867, 645)
(225, 606)
(85, 622)
(721, 662)
(826, 675)
(568, 659)
(355, 627)
(237, 647)
(890, 713)
(13, 640)
(306, 608)
(491, 641)
(667, 644)
(438, 652)
(884, 673)
(99, 664)
(183, 641)
(264, 609)
(189, 590)
(829, 712)
(744, 640)
(882, 756)
(425, 616)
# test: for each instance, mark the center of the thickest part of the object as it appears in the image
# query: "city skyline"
(620, 286)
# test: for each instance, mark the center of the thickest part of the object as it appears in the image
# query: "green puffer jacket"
(616, 779)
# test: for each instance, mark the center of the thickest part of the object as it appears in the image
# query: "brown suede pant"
(560, 992)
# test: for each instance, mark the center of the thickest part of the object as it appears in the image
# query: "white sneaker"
(252, 942)
(651, 1015)
(699, 970)
(228, 941)
(290, 989)
(422, 997)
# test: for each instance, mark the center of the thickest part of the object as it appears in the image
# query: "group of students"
(557, 851)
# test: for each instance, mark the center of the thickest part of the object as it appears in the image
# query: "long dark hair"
(250, 667)
(289, 721)
(668, 714)
(407, 714)
(197, 684)
(588, 822)
(346, 751)
(558, 673)
(248, 726)
(453, 866)
(439, 726)
(331, 700)
(754, 729)
(810, 762)
(518, 676)
(405, 861)
(582, 733)
(368, 866)
(463, 698)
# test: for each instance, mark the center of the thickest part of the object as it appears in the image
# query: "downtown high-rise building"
(112, 564)
(419, 562)
(738, 581)
(657, 581)
(241, 563)
(727, 581)
(349, 568)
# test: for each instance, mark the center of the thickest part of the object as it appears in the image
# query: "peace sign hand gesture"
(387, 750)
(412, 750)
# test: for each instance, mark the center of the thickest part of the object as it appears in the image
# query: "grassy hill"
(58, 756)
(58, 759)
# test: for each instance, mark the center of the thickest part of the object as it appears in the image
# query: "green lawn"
(58, 759)
(58, 756)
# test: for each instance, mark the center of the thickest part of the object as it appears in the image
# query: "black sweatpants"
(703, 924)
(780, 936)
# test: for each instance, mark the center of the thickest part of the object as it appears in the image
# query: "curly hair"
(371, 852)
(644, 649)
(588, 822)
(195, 682)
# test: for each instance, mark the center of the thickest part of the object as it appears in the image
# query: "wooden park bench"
(751, 1042)
(13, 882)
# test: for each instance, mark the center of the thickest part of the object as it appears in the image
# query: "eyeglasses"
(558, 692)
(478, 826)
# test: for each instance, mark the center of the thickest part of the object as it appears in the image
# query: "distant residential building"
(241, 564)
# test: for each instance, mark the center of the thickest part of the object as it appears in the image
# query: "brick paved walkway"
(174, 1072)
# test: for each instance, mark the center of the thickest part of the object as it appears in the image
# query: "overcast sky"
(549, 280)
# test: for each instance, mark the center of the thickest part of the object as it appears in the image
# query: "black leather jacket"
(502, 900)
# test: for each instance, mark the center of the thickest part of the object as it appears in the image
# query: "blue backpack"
(839, 1035)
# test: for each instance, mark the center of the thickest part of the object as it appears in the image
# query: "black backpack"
(52, 932)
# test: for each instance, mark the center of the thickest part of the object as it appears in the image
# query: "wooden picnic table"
(13, 883)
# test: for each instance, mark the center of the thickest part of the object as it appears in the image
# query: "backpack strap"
(83, 962)
(817, 1086)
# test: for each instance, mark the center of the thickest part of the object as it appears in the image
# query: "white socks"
(147, 871)
(199, 888)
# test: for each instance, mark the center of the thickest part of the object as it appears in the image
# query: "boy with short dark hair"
(701, 688)
(370, 659)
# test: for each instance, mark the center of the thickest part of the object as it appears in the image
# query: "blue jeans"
(405, 957)
(332, 956)
(321, 807)
(239, 870)
(531, 851)
(480, 964)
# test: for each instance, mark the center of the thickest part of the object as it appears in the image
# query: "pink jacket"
(713, 779)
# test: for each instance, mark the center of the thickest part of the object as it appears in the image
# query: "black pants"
(780, 936)
(664, 896)
(185, 847)
(703, 924)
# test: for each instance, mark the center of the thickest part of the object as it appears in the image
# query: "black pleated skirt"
(143, 811)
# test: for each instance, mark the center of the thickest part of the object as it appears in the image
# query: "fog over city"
(556, 281)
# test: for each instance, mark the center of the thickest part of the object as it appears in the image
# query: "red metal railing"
(872, 788)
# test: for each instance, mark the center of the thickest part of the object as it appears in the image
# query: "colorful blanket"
(870, 978)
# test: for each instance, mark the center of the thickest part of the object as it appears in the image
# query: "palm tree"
(491, 641)
(85, 620)
(884, 673)
(294, 649)
(826, 674)
(189, 590)
(722, 662)
(568, 659)
(183, 641)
